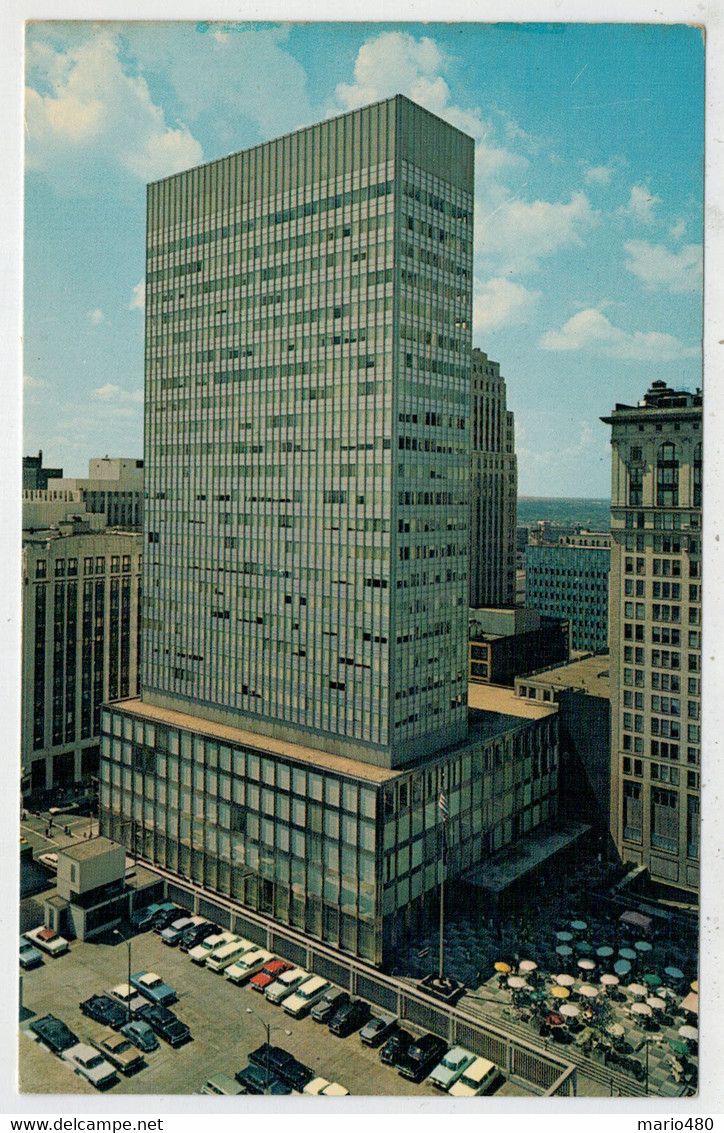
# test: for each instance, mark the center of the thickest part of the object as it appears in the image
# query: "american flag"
(444, 809)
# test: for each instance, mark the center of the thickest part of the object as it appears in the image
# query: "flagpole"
(443, 807)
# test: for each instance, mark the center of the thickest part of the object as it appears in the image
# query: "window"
(632, 811)
(692, 826)
(667, 477)
(696, 493)
(664, 819)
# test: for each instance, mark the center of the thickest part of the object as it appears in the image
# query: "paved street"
(223, 1033)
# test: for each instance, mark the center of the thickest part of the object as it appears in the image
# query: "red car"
(269, 973)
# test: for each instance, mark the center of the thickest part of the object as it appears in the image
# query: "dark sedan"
(422, 1057)
(166, 1025)
(395, 1049)
(194, 935)
(103, 1009)
(378, 1029)
(349, 1018)
(254, 1080)
(54, 1033)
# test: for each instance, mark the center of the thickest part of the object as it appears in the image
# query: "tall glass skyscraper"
(308, 342)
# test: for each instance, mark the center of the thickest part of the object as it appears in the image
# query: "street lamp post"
(127, 942)
(268, 1028)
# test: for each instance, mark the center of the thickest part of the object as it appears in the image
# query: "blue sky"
(589, 182)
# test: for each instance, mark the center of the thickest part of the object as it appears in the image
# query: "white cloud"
(520, 233)
(111, 393)
(641, 204)
(676, 231)
(96, 317)
(590, 330)
(500, 302)
(82, 106)
(138, 297)
(678, 272)
(599, 174)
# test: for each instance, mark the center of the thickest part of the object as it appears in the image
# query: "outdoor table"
(656, 1003)
(564, 937)
(627, 954)
(579, 926)
(638, 989)
(516, 982)
(674, 973)
(588, 990)
(622, 967)
(565, 980)
(604, 951)
(501, 966)
(652, 979)
(570, 1010)
(527, 966)
(641, 1009)
(609, 980)
(616, 1030)
(560, 992)
(689, 1033)
(586, 965)
(564, 950)
(643, 946)
(584, 947)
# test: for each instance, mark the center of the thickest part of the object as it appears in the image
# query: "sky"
(588, 203)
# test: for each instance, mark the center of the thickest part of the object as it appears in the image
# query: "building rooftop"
(93, 848)
(496, 698)
(589, 674)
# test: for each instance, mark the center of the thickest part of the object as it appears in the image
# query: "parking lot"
(213, 1008)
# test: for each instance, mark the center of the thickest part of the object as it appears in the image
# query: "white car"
(286, 984)
(128, 997)
(305, 996)
(475, 1080)
(87, 1061)
(222, 958)
(202, 951)
(316, 1086)
(452, 1066)
(248, 965)
(48, 940)
(334, 1090)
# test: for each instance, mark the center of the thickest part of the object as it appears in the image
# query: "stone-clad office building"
(308, 314)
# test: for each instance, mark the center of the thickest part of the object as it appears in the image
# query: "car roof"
(480, 1067)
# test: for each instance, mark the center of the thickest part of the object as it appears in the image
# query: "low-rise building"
(112, 491)
(507, 643)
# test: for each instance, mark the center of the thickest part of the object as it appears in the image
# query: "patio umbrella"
(655, 1003)
(694, 985)
(560, 992)
(652, 979)
(637, 989)
(622, 967)
(616, 1030)
(565, 980)
(604, 951)
(570, 1010)
(564, 950)
(527, 966)
(674, 973)
(627, 954)
(586, 965)
(642, 1009)
(678, 1047)
(643, 946)
(516, 982)
(609, 980)
(588, 990)
(564, 937)
(690, 1003)
(555, 1020)
(689, 1033)
(584, 947)
(579, 926)
(501, 966)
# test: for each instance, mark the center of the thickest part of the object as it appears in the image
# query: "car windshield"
(91, 1063)
(453, 1060)
(122, 1047)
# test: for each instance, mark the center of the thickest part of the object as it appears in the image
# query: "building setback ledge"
(526, 854)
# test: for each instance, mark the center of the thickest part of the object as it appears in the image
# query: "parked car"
(316, 1087)
(334, 1090)
(221, 1084)
(273, 1057)
(194, 935)
(166, 1025)
(296, 1075)
(141, 1034)
(247, 965)
(254, 1080)
(173, 933)
(330, 1002)
(378, 1029)
(152, 986)
(54, 1033)
(421, 1057)
(222, 958)
(102, 1009)
(143, 918)
(48, 940)
(395, 1048)
(450, 1067)
(29, 956)
(286, 984)
(478, 1077)
(349, 1017)
(269, 974)
(128, 997)
(306, 995)
(120, 1051)
(88, 1062)
(166, 917)
(201, 952)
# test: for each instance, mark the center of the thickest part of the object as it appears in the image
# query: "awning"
(637, 919)
(524, 855)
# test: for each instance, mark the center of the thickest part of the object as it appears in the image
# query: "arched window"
(667, 477)
(696, 496)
